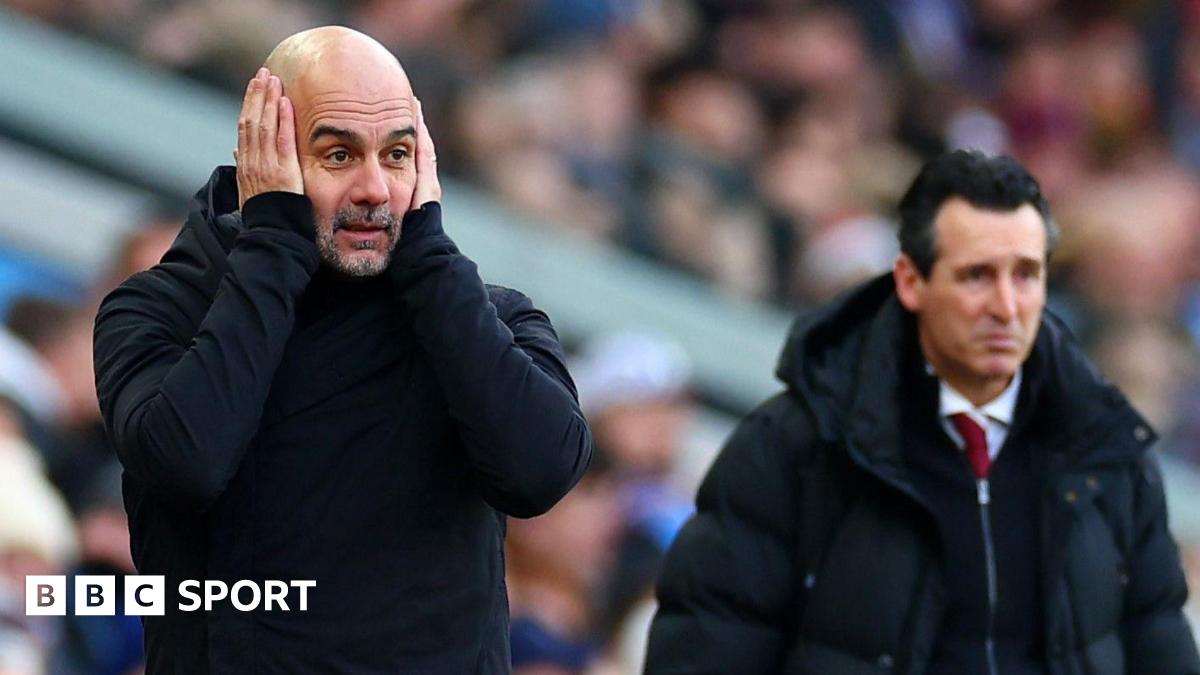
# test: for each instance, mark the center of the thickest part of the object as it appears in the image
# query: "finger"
(268, 127)
(244, 117)
(428, 188)
(285, 137)
(285, 143)
(424, 140)
(245, 154)
(253, 115)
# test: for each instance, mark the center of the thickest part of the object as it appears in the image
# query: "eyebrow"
(400, 134)
(341, 134)
(353, 138)
(992, 262)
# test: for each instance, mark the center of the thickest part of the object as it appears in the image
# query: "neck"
(978, 390)
(978, 393)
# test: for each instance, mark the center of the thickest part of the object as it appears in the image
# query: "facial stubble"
(358, 265)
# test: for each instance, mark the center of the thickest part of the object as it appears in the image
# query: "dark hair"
(999, 183)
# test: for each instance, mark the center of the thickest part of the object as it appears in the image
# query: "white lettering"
(185, 589)
(304, 585)
(276, 591)
(213, 591)
(237, 602)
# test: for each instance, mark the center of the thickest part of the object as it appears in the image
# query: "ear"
(910, 285)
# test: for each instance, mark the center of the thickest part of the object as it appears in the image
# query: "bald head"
(329, 50)
(334, 68)
(356, 121)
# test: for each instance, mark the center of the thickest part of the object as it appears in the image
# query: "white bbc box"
(95, 595)
(145, 595)
(45, 595)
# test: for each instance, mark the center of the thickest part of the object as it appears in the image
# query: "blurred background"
(671, 180)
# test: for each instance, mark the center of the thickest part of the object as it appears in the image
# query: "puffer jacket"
(812, 553)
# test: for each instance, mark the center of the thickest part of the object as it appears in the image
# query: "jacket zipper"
(983, 492)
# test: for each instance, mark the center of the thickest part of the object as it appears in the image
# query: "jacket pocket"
(817, 659)
(1105, 656)
(870, 581)
(1095, 568)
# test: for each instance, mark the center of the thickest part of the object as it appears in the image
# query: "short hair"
(998, 183)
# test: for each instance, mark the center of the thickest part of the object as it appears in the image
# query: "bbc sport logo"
(145, 595)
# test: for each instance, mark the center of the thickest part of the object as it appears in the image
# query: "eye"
(978, 273)
(338, 156)
(1031, 272)
(397, 154)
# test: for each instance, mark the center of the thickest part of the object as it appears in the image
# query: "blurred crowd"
(760, 145)
(61, 510)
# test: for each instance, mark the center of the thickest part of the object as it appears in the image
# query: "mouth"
(361, 227)
(1001, 342)
(364, 238)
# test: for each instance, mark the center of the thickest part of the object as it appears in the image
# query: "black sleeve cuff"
(421, 223)
(423, 242)
(280, 210)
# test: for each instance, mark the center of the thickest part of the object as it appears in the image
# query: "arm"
(505, 381)
(1155, 633)
(726, 588)
(181, 408)
(181, 415)
(503, 377)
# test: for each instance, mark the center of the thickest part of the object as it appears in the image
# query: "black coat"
(277, 422)
(813, 553)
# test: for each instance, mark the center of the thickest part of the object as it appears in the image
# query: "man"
(947, 485)
(315, 385)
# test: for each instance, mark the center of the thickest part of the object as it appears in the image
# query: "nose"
(1004, 300)
(370, 187)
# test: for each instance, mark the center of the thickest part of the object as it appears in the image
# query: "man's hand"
(266, 153)
(427, 189)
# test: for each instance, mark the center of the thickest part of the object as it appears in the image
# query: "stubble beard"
(358, 265)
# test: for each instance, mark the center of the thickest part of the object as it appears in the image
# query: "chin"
(360, 263)
(1000, 366)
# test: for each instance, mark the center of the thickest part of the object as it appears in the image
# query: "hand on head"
(266, 153)
(360, 91)
(428, 188)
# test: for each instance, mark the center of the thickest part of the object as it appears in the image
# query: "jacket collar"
(847, 363)
(198, 255)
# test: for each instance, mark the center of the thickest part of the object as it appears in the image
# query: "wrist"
(280, 210)
(422, 240)
(421, 223)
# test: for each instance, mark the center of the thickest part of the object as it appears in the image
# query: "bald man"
(316, 385)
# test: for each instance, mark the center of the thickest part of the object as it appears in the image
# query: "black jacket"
(813, 552)
(277, 422)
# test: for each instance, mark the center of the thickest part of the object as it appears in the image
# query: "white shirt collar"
(999, 409)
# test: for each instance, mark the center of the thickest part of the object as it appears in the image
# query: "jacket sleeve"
(1156, 635)
(504, 381)
(726, 591)
(181, 412)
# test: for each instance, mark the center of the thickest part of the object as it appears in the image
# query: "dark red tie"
(976, 439)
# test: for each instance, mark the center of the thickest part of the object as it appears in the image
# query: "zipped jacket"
(813, 553)
(279, 423)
